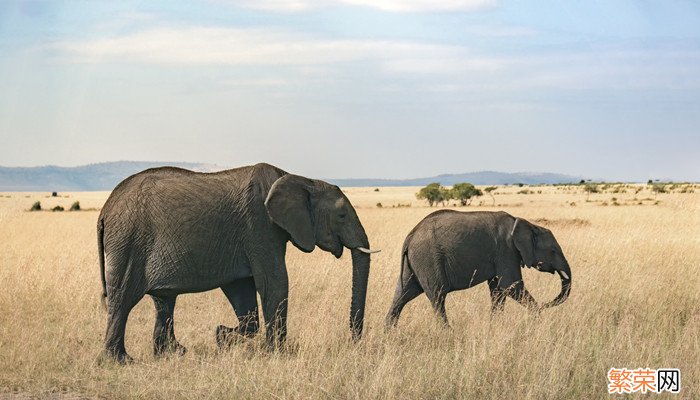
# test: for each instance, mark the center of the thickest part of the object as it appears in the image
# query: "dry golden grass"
(634, 303)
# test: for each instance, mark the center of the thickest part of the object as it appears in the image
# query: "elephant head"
(315, 213)
(539, 249)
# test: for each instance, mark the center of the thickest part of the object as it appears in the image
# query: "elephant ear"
(524, 240)
(289, 206)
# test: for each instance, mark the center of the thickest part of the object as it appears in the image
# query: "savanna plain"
(635, 303)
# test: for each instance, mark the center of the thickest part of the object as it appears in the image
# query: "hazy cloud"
(228, 46)
(436, 64)
(383, 5)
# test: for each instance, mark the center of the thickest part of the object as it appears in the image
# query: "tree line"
(463, 192)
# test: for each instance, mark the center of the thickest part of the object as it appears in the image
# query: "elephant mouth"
(545, 267)
(334, 247)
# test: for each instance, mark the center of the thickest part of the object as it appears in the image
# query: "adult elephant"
(167, 231)
(451, 250)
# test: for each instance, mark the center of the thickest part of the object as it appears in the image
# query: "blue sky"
(356, 88)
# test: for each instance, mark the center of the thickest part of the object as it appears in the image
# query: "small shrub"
(376, 189)
(573, 204)
(524, 191)
(76, 206)
(379, 205)
(591, 188)
(658, 188)
(57, 208)
(36, 206)
(54, 194)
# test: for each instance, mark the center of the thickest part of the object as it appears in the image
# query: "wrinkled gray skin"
(451, 250)
(168, 231)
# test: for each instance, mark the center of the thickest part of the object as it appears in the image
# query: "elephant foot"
(390, 322)
(226, 337)
(120, 357)
(173, 348)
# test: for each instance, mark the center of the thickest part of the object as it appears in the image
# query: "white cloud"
(290, 59)
(384, 5)
(459, 63)
(266, 47)
(423, 5)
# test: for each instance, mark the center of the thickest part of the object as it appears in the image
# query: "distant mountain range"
(105, 176)
(476, 178)
(101, 176)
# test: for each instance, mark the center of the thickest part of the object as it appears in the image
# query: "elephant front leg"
(164, 331)
(274, 302)
(275, 313)
(243, 298)
(518, 292)
(498, 295)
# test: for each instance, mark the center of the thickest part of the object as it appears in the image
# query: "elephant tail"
(101, 255)
(405, 264)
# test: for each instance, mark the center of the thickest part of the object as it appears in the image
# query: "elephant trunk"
(565, 275)
(360, 275)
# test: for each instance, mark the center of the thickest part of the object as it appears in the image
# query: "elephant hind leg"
(243, 298)
(119, 307)
(437, 299)
(405, 292)
(164, 331)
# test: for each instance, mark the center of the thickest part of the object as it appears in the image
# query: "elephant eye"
(342, 216)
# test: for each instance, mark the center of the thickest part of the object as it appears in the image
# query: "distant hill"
(102, 176)
(476, 178)
(105, 176)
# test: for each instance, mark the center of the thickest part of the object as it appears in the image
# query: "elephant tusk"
(367, 251)
(564, 275)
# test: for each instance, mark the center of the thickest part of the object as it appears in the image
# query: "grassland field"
(635, 302)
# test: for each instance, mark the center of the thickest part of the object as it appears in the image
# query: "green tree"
(490, 190)
(445, 195)
(658, 188)
(433, 193)
(464, 192)
(590, 188)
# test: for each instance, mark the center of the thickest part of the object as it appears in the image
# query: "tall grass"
(634, 303)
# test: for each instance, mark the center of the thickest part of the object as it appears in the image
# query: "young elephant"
(451, 250)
